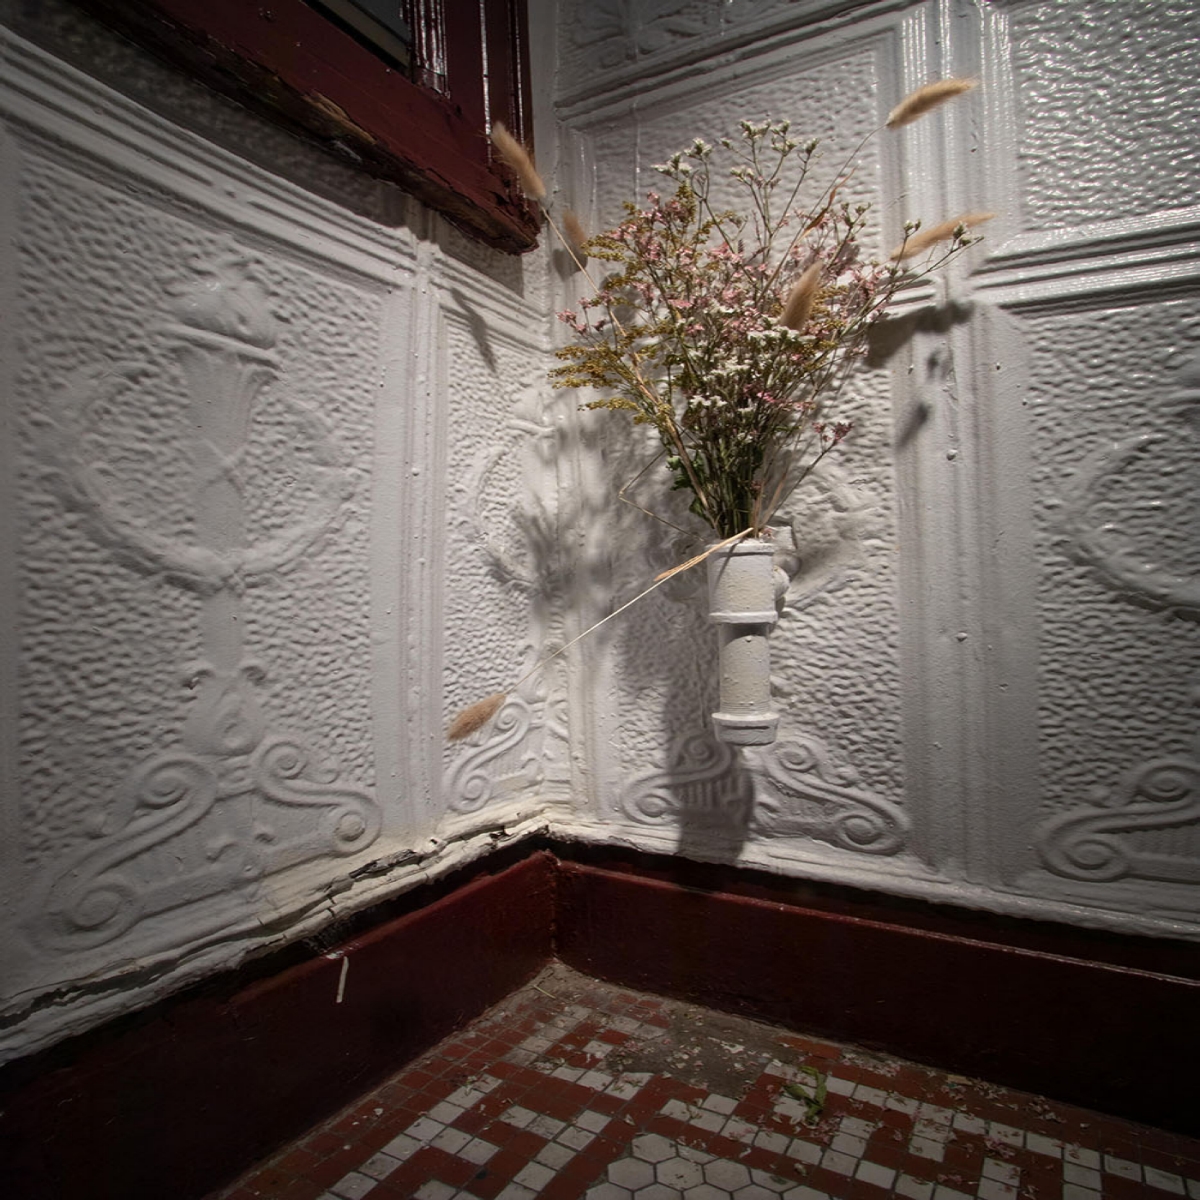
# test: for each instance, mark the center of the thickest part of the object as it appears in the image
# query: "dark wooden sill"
(289, 63)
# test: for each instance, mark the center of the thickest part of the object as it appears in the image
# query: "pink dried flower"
(694, 337)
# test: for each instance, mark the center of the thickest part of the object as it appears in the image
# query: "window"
(407, 89)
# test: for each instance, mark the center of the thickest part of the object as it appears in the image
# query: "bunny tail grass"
(921, 241)
(926, 99)
(475, 716)
(799, 304)
(575, 236)
(517, 157)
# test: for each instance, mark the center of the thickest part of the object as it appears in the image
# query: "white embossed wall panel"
(233, 529)
(1111, 401)
(989, 653)
(841, 751)
(1114, 458)
(501, 546)
(194, 625)
(1107, 124)
(1089, 513)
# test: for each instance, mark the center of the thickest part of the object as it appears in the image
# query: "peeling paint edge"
(36, 1020)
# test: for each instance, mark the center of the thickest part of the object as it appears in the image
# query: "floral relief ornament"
(732, 332)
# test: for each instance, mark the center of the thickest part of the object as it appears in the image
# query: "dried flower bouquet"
(731, 332)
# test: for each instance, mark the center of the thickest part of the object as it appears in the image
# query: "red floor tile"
(569, 1139)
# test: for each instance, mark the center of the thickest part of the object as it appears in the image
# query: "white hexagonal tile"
(706, 1191)
(679, 1173)
(726, 1174)
(609, 1191)
(652, 1148)
(755, 1192)
(773, 1183)
(657, 1191)
(631, 1173)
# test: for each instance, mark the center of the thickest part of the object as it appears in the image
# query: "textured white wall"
(989, 657)
(268, 453)
(231, 636)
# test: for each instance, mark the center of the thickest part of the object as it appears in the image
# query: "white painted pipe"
(741, 594)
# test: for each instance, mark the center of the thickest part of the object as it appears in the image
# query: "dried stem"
(475, 716)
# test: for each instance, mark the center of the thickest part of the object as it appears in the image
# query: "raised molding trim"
(734, 42)
(1131, 255)
(1076, 904)
(511, 315)
(775, 57)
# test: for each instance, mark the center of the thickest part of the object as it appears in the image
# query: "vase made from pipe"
(741, 601)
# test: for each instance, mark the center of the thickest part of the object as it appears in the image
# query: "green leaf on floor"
(810, 1094)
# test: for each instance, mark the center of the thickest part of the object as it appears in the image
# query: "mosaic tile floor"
(576, 1089)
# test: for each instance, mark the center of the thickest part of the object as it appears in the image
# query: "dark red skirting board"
(198, 1087)
(1110, 1036)
(178, 1104)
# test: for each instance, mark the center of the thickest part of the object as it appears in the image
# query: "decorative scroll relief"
(706, 785)
(219, 365)
(1098, 528)
(806, 793)
(221, 800)
(497, 762)
(1147, 827)
(792, 789)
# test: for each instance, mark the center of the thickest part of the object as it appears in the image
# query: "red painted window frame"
(288, 60)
